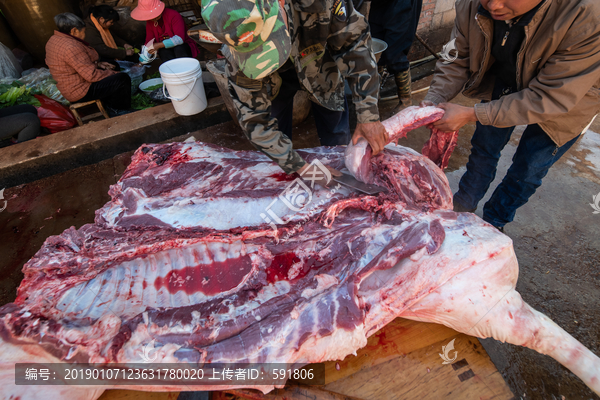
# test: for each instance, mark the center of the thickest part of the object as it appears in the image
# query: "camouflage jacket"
(328, 45)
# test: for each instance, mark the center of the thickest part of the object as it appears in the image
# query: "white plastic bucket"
(183, 79)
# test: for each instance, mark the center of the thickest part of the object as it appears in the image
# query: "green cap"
(254, 30)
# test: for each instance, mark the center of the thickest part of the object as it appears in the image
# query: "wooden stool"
(80, 120)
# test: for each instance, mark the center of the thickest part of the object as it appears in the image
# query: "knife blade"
(353, 183)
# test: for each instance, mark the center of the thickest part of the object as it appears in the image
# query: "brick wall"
(435, 26)
(436, 14)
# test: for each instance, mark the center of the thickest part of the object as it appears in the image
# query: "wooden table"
(401, 361)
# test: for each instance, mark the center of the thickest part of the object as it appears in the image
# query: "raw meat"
(182, 257)
(438, 148)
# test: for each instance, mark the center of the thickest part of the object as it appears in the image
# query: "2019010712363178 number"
(152, 374)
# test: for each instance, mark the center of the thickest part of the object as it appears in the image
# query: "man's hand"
(455, 117)
(374, 133)
(427, 103)
(127, 46)
(323, 181)
(129, 52)
(105, 65)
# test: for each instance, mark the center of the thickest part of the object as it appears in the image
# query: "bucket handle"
(184, 97)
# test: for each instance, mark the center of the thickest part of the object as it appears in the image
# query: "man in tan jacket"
(534, 63)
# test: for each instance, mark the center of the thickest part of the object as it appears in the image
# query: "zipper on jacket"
(505, 38)
(524, 46)
(520, 59)
(484, 58)
(510, 24)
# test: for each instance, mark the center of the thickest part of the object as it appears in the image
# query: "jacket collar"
(72, 37)
(524, 20)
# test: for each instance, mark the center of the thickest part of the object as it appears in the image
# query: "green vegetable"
(140, 102)
(154, 87)
(134, 49)
(154, 75)
(11, 95)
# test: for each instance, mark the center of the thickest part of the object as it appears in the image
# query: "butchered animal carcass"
(215, 255)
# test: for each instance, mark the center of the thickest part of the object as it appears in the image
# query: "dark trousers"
(114, 91)
(333, 127)
(21, 120)
(395, 22)
(535, 155)
(183, 50)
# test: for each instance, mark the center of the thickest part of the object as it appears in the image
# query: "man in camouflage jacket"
(326, 41)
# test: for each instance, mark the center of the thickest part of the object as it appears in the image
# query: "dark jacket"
(558, 69)
(93, 37)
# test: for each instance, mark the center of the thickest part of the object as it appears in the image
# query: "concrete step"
(98, 141)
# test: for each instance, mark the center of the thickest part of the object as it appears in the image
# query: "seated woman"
(79, 75)
(21, 121)
(167, 28)
(99, 36)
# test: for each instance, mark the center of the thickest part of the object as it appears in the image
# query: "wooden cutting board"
(401, 361)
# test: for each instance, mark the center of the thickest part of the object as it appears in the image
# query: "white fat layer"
(324, 282)
(294, 314)
(336, 346)
(133, 350)
(416, 256)
(93, 338)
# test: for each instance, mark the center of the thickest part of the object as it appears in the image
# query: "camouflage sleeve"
(252, 100)
(350, 45)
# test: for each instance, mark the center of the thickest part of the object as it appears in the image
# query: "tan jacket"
(558, 70)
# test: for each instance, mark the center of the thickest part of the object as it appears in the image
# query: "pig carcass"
(214, 255)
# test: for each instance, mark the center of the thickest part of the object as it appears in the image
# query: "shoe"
(500, 228)
(401, 106)
(404, 82)
(460, 208)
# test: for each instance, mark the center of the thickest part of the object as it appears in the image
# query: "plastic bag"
(9, 65)
(7, 81)
(159, 95)
(145, 56)
(54, 115)
(135, 72)
(32, 77)
(41, 81)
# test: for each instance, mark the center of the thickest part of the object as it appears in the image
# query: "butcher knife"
(353, 183)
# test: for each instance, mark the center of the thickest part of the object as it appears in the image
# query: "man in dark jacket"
(395, 22)
(534, 63)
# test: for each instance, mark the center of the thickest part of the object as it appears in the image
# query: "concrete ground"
(556, 238)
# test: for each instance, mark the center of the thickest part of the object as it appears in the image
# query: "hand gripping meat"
(205, 254)
(438, 148)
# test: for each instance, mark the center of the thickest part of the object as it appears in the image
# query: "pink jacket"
(169, 25)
